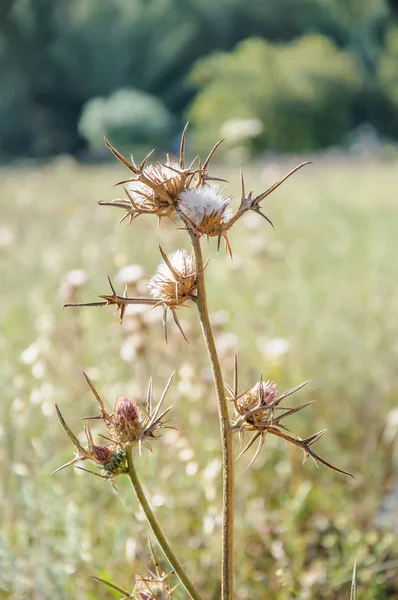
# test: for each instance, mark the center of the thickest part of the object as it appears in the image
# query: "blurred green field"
(324, 284)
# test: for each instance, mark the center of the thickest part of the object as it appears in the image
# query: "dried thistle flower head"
(167, 180)
(155, 189)
(175, 279)
(205, 209)
(174, 284)
(262, 394)
(256, 411)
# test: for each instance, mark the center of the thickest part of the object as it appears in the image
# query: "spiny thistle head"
(155, 189)
(158, 189)
(175, 280)
(262, 394)
(205, 209)
(126, 423)
(256, 411)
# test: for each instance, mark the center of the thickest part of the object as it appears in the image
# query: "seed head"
(175, 280)
(205, 208)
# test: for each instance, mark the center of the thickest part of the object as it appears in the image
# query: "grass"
(325, 281)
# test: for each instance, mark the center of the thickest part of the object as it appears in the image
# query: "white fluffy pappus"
(203, 201)
(162, 285)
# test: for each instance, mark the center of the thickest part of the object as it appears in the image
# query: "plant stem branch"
(225, 428)
(169, 554)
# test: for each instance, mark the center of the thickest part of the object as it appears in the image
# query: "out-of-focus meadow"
(315, 299)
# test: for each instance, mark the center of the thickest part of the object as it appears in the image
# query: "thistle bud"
(126, 421)
(101, 454)
(175, 280)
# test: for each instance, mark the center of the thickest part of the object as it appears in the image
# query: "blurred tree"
(55, 55)
(128, 118)
(302, 92)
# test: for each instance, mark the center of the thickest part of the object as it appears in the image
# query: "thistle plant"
(192, 199)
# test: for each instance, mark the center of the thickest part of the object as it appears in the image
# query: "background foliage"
(56, 56)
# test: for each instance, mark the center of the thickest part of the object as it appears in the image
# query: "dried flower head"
(155, 189)
(175, 280)
(262, 394)
(205, 209)
(111, 459)
(256, 411)
(174, 284)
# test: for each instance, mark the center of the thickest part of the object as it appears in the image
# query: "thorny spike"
(278, 183)
(291, 411)
(106, 477)
(111, 285)
(177, 322)
(260, 445)
(312, 439)
(176, 274)
(68, 464)
(166, 389)
(112, 586)
(70, 434)
(149, 397)
(212, 153)
(164, 321)
(144, 162)
(307, 450)
(242, 181)
(96, 395)
(235, 374)
(182, 146)
(132, 167)
(289, 392)
(249, 445)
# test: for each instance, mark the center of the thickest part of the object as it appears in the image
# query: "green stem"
(169, 554)
(225, 428)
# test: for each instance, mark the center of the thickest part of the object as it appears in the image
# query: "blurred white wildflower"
(391, 427)
(252, 221)
(71, 282)
(39, 369)
(130, 275)
(241, 129)
(191, 468)
(273, 348)
(132, 347)
(30, 354)
(6, 236)
(226, 343)
(76, 277)
(212, 469)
